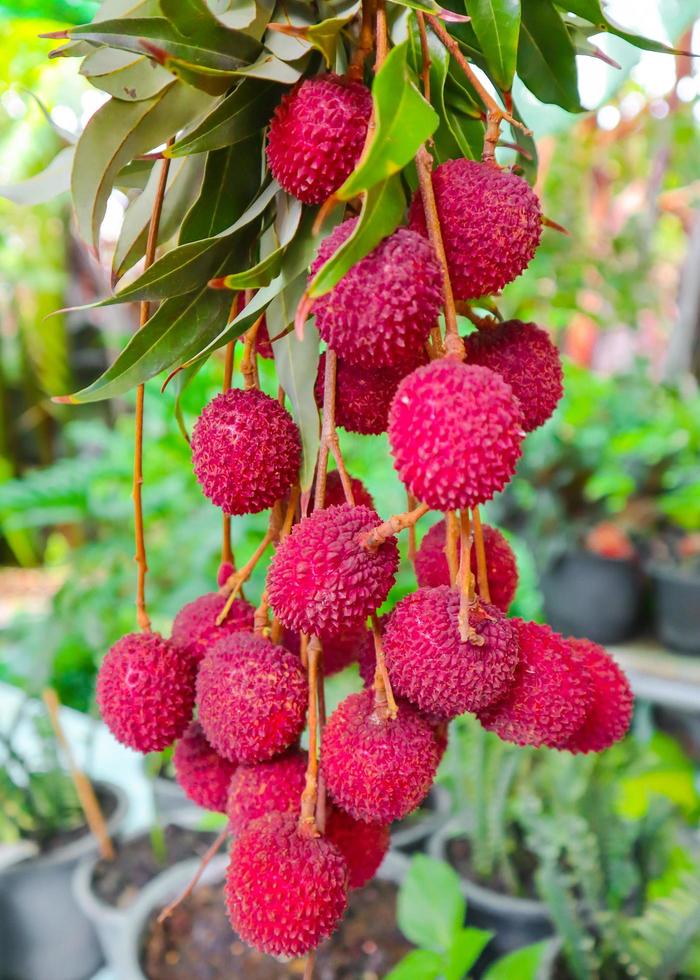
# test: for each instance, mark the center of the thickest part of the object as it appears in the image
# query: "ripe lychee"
(525, 357)
(252, 697)
(491, 224)
(246, 451)
(195, 630)
(266, 787)
(550, 697)
(362, 396)
(455, 433)
(224, 572)
(502, 572)
(430, 666)
(322, 580)
(335, 494)
(377, 769)
(203, 774)
(285, 892)
(610, 713)
(363, 845)
(317, 134)
(382, 310)
(263, 344)
(145, 691)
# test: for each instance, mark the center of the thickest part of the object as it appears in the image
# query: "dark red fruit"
(610, 713)
(362, 396)
(335, 495)
(363, 845)
(195, 630)
(267, 787)
(203, 774)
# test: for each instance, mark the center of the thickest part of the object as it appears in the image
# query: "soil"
(117, 883)
(197, 942)
(458, 853)
(108, 804)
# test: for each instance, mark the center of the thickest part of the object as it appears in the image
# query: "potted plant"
(675, 572)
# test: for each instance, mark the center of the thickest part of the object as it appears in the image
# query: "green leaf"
(497, 26)
(546, 56)
(403, 121)
(421, 964)
(592, 11)
(466, 948)
(430, 905)
(323, 35)
(265, 271)
(216, 81)
(250, 17)
(44, 186)
(124, 75)
(431, 7)
(523, 963)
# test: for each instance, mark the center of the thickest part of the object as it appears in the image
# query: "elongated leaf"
(497, 26)
(323, 35)
(124, 74)
(523, 963)
(290, 13)
(430, 7)
(465, 949)
(546, 56)
(592, 11)
(430, 906)
(217, 81)
(248, 16)
(419, 964)
(268, 268)
(44, 186)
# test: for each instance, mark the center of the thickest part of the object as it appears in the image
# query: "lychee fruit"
(524, 355)
(203, 774)
(430, 666)
(362, 396)
(145, 691)
(246, 451)
(502, 571)
(317, 134)
(610, 713)
(225, 571)
(266, 787)
(322, 580)
(195, 630)
(335, 494)
(252, 697)
(550, 697)
(285, 892)
(263, 344)
(491, 224)
(455, 433)
(377, 769)
(342, 649)
(400, 285)
(363, 845)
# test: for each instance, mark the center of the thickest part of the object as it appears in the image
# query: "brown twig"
(384, 702)
(206, 859)
(310, 966)
(382, 40)
(226, 549)
(452, 545)
(249, 361)
(329, 438)
(307, 816)
(261, 616)
(365, 42)
(481, 568)
(232, 586)
(425, 54)
(371, 540)
(465, 547)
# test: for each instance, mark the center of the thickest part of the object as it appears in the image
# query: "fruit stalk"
(226, 549)
(465, 575)
(481, 569)
(452, 545)
(365, 42)
(374, 539)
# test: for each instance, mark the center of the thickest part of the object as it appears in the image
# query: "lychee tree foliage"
(332, 172)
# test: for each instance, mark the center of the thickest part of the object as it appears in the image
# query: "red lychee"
(322, 579)
(455, 433)
(376, 769)
(246, 451)
(430, 666)
(342, 649)
(335, 494)
(610, 713)
(382, 310)
(317, 134)
(432, 568)
(363, 845)
(145, 691)
(362, 396)
(252, 697)
(524, 355)
(263, 344)
(367, 658)
(491, 224)
(224, 572)
(203, 774)
(551, 694)
(267, 787)
(285, 892)
(195, 630)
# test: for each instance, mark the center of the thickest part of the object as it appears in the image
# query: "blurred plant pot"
(677, 607)
(170, 799)
(412, 834)
(591, 596)
(44, 934)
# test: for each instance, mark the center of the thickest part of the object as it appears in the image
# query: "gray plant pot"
(413, 837)
(44, 934)
(170, 799)
(677, 608)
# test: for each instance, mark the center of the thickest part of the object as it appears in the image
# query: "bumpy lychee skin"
(251, 695)
(362, 396)
(317, 134)
(363, 845)
(267, 787)
(455, 433)
(246, 451)
(322, 580)
(502, 571)
(430, 666)
(342, 649)
(195, 630)
(525, 357)
(335, 494)
(285, 893)
(145, 691)
(491, 225)
(400, 283)
(203, 774)
(550, 697)
(377, 770)
(610, 713)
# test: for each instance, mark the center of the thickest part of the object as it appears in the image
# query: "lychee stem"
(452, 545)
(382, 39)
(425, 55)
(412, 504)
(232, 586)
(384, 702)
(226, 549)
(374, 539)
(249, 365)
(307, 815)
(206, 860)
(481, 569)
(465, 547)
(260, 618)
(365, 42)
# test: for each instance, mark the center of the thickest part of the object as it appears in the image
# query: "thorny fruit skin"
(491, 224)
(455, 433)
(610, 714)
(145, 691)
(266, 787)
(252, 698)
(430, 666)
(335, 494)
(317, 134)
(524, 355)
(246, 451)
(322, 580)
(195, 630)
(502, 572)
(203, 774)
(285, 892)
(363, 845)
(376, 769)
(362, 396)
(381, 312)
